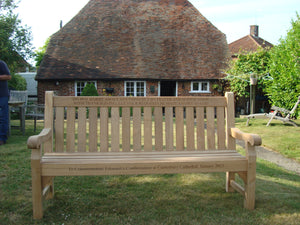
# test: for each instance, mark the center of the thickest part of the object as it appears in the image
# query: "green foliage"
(15, 39)
(39, 54)
(284, 89)
(239, 72)
(89, 90)
(17, 82)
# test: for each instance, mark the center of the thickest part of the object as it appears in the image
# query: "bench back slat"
(179, 128)
(190, 131)
(115, 129)
(71, 129)
(137, 130)
(126, 129)
(148, 129)
(158, 122)
(93, 124)
(200, 128)
(211, 142)
(59, 129)
(221, 128)
(82, 129)
(104, 129)
(169, 134)
(229, 114)
(93, 128)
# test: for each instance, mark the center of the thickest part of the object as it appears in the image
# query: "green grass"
(280, 137)
(151, 199)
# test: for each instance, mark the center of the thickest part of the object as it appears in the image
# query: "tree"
(18, 83)
(240, 70)
(284, 89)
(39, 54)
(15, 39)
(89, 90)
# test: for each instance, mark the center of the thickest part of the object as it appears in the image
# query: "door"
(168, 88)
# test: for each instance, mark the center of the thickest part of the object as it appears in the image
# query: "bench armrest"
(34, 142)
(252, 139)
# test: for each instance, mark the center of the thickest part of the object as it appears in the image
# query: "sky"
(232, 17)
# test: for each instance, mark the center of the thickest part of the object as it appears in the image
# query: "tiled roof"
(136, 39)
(247, 44)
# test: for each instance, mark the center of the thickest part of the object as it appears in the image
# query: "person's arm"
(5, 77)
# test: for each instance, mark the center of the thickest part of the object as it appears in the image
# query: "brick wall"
(67, 88)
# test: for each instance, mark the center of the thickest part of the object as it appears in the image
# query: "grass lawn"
(151, 199)
(279, 137)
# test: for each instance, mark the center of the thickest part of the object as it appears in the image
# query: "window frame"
(85, 83)
(200, 83)
(135, 88)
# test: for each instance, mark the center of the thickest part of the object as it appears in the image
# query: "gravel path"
(276, 158)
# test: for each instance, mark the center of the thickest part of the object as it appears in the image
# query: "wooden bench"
(140, 135)
(273, 115)
(36, 112)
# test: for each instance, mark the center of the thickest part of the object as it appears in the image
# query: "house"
(249, 43)
(31, 83)
(135, 48)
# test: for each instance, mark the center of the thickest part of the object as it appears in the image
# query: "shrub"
(89, 90)
(17, 83)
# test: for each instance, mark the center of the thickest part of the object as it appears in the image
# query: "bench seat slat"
(120, 160)
(114, 163)
(143, 154)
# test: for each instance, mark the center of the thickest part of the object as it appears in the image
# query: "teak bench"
(85, 136)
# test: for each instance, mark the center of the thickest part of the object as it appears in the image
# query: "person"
(4, 96)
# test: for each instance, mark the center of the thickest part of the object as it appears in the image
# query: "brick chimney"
(254, 30)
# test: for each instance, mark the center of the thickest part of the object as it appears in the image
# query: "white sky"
(232, 17)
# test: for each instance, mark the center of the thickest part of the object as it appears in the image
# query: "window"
(79, 85)
(200, 87)
(135, 88)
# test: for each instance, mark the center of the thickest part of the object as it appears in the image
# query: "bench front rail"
(139, 135)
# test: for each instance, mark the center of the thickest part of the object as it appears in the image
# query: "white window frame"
(200, 83)
(85, 83)
(135, 87)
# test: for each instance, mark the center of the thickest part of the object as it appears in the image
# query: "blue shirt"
(3, 83)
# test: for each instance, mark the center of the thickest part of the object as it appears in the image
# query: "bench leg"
(247, 123)
(249, 202)
(37, 196)
(48, 187)
(229, 176)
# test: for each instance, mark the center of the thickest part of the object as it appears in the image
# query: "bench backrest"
(93, 124)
